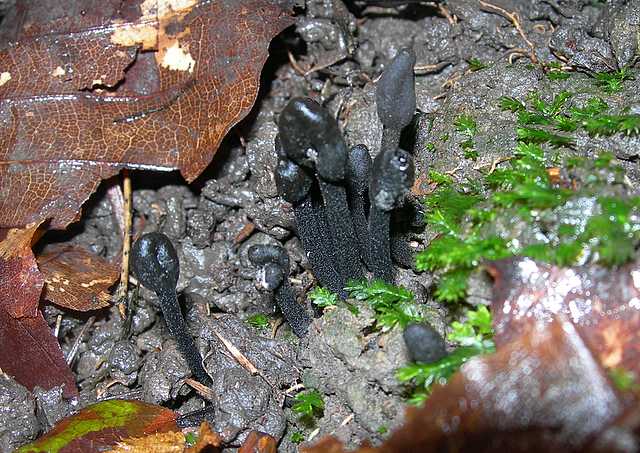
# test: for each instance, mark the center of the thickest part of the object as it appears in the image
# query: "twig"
(514, 18)
(451, 18)
(237, 355)
(201, 389)
(494, 164)
(56, 331)
(76, 344)
(294, 64)
(246, 231)
(421, 69)
(126, 245)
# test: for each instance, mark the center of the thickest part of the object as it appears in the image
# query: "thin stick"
(239, 356)
(126, 245)
(76, 344)
(201, 389)
(515, 20)
(56, 331)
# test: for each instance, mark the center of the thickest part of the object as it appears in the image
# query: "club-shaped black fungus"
(396, 97)
(273, 263)
(358, 174)
(311, 138)
(424, 343)
(155, 264)
(391, 178)
(293, 184)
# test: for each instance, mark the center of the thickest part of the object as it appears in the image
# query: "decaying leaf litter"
(343, 358)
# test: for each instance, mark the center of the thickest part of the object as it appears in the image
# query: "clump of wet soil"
(340, 50)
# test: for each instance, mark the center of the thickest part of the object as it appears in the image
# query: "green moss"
(472, 337)
(536, 204)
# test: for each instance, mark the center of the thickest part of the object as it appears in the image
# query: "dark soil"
(343, 49)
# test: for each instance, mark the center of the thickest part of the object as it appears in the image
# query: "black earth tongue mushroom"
(293, 184)
(155, 264)
(358, 174)
(391, 179)
(396, 98)
(273, 262)
(424, 343)
(311, 138)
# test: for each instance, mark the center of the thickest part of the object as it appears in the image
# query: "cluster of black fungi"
(342, 201)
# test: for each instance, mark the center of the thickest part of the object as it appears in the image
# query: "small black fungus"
(310, 137)
(396, 97)
(273, 263)
(358, 174)
(155, 264)
(391, 178)
(424, 343)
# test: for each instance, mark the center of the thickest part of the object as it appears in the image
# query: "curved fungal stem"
(274, 269)
(155, 264)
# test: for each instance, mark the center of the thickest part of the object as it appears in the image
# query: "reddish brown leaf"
(208, 441)
(21, 282)
(603, 305)
(28, 350)
(199, 73)
(108, 424)
(76, 278)
(258, 442)
(32, 355)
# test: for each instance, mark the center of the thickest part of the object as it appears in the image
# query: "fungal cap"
(270, 276)
(359, 168)
(396, 92)
(391, 178)
(311, 138)
(292, 181)
(154, 262)
(424, 343)
(263, 254)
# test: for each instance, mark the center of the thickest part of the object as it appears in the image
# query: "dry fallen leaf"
(28, 351)
(191, 71)
(106, 425)
(76, 278)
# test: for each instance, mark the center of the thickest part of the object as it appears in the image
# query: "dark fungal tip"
(424, 343)
(154, 262)
(272, 276)
(395, 91)
(311, 138)
(261, 254)
(391, 178)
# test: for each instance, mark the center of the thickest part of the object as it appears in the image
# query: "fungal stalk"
(311, 138)
(391, 178)
(155, 264)
(294, 185)
(358, 173)
(273, 263)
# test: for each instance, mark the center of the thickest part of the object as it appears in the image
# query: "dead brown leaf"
(76, 278)
(191, 71)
